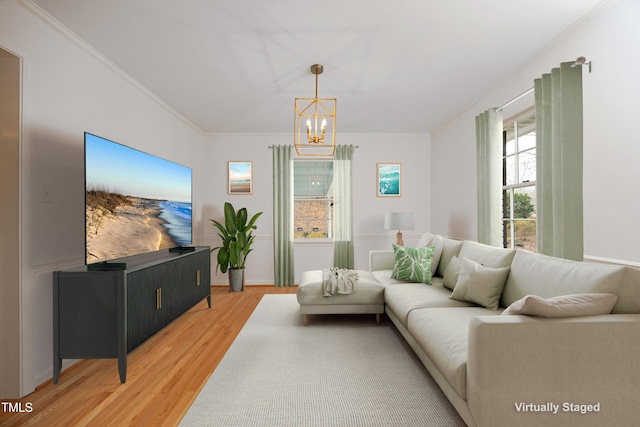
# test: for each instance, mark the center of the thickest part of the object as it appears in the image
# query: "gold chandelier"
(317, 116)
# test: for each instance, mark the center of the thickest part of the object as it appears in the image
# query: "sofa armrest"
(517, 362)
(381, 259)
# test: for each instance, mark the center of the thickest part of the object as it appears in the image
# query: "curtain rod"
(522, 95)
(271, 146)
(578, 62)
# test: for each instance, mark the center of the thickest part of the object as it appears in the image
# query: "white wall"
(412, 151)
(67, 90)
(609, 37)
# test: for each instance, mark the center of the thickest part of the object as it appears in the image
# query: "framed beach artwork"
(388, 179)
(240, 177)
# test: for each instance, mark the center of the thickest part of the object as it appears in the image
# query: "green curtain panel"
(489, 158)
(342, 208)
(558, 97)
(283, 216)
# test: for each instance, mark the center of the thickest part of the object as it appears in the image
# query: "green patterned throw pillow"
(413, 264)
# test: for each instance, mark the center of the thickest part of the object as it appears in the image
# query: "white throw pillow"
(429, 239)
(451, 273)
(564, 305)
(479, 284)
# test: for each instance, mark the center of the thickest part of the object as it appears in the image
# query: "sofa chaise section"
(369, 297)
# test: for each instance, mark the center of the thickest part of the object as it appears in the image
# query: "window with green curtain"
(282, 216)
(489, 171)
(343, 250)
(559, 162)
(313, 199)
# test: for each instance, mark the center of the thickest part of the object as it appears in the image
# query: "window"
(519, 183)
(313, 198)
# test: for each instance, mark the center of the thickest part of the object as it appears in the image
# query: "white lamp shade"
(398, 221)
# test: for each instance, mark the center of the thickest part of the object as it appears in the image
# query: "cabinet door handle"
(197, 277)
(158, 298)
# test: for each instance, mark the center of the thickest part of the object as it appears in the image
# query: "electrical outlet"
(46, 193)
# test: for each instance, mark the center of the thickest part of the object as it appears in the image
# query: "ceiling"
(402, 66)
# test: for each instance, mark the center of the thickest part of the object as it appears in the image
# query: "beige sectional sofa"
(524, 370)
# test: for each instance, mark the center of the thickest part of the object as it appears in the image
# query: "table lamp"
(398, 221)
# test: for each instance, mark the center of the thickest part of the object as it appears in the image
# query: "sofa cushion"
(489, 256)
(384, 277)
(442, 333)
(429, 239)
(450, 248)
(479, 284)
(546, 276)
(563, 306)
(412, 264)
(451, 274)
(403, 297)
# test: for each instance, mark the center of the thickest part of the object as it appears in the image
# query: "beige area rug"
(338, 371)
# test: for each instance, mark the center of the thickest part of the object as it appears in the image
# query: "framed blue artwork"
(389, 179)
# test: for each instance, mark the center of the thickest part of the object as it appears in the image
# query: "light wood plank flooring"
(164, 374)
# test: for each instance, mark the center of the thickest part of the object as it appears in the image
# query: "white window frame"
(511, 188)
(313, 240)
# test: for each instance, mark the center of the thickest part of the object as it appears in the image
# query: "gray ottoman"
(368, 297)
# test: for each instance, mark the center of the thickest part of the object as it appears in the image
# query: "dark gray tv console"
(106, 313)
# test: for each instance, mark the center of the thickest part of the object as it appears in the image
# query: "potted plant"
(237, 238)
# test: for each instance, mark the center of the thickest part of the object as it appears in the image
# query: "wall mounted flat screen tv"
(134, 202)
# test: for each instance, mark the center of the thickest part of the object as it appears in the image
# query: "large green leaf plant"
(237, 237)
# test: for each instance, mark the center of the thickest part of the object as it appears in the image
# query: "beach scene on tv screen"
(135, 202)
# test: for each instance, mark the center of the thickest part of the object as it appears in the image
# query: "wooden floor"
(164, 374)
